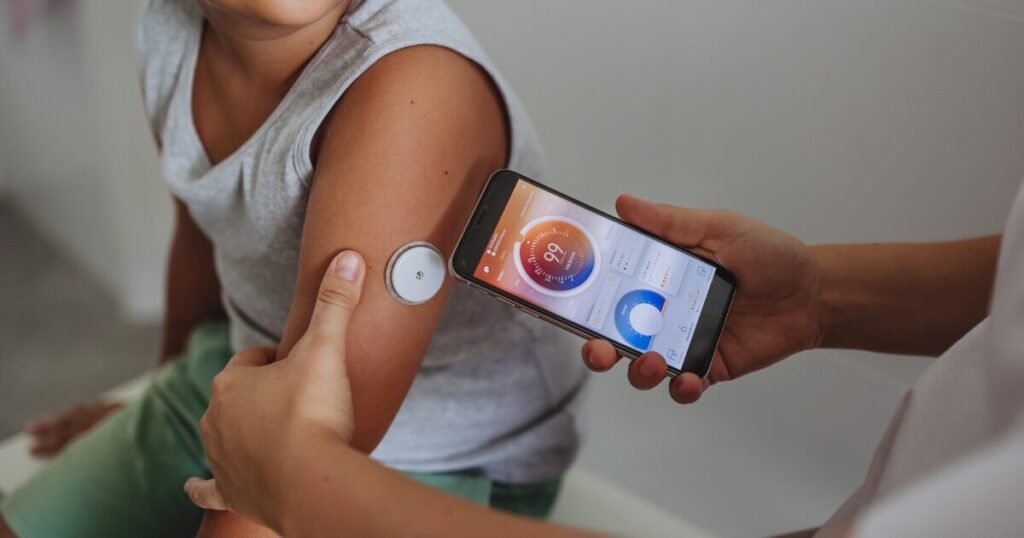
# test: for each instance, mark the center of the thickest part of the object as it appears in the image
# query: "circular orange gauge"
(557, 256)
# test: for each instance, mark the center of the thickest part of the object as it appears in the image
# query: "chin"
(277, 12)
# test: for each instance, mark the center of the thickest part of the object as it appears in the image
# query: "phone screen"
(595, 272)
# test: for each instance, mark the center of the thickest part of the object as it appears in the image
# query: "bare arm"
(193, 289)
(403, 158)
(905, 298)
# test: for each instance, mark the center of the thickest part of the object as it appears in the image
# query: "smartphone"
(565, 262)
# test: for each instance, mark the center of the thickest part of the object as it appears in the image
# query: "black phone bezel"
(480, 229)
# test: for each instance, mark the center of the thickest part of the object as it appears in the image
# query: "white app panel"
(663, 268)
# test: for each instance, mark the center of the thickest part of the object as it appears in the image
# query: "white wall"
(4, 183)
(867, 120)
(80, 162)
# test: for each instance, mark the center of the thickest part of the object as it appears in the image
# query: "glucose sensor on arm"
(415, 273)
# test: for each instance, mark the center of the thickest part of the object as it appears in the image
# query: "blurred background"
(838, 121)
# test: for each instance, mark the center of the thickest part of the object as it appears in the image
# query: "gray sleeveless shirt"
(498, 392)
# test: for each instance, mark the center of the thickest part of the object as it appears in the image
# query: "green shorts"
(125, 477)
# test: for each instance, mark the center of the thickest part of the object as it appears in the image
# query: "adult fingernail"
(347, 266)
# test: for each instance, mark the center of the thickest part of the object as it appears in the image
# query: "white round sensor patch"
(415, 273)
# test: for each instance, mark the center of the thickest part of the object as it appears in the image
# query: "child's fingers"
(38, 425)
(50, 437)
(42, 446)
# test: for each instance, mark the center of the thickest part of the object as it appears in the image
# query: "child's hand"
(260, 412)
(51, 433)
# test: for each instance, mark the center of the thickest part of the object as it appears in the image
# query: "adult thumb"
(339, 294)
(679, 225)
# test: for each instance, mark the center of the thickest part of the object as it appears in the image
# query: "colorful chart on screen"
(557, 256)
(639, 317)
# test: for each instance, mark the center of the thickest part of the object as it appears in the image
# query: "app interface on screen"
(596, 272)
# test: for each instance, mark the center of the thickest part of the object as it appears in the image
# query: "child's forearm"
(193, 289)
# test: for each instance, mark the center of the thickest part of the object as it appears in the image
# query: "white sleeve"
(978, 495)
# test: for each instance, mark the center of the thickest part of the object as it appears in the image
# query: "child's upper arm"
(403, 158)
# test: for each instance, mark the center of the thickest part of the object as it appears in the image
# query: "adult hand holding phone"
(777, 308)
(903, 298)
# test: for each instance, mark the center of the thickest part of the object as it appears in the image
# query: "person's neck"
(267, 56)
